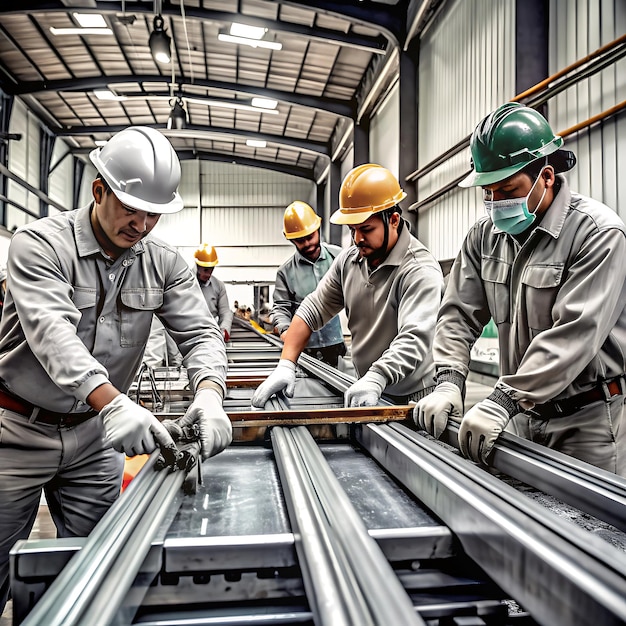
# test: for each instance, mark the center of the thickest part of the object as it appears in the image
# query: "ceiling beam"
(89, 83)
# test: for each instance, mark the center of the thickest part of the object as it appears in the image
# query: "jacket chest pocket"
(540, 286)
(136, 311)
(495, 275)
(85, 299)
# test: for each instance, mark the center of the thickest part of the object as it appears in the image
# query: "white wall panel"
(24, 162)
(466, 69)
(578, 28)
(385, 132)
(60, 180)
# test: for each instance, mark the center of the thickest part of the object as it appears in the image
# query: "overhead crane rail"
(406, 530)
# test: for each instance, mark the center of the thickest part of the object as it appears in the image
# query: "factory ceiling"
(322, 65)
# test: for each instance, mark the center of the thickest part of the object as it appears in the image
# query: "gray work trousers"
(80, 477)
(596, 434)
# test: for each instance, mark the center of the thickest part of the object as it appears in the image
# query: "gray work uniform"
(559, 302)
(75, 319)
(295, 280)
(214, 292)
(391, 312)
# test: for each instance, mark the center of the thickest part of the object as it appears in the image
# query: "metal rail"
(388, 602)
(590, 489)
(92, 587)
(332, 592)
(557, 571)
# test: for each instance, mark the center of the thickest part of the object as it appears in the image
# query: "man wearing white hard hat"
(84, 287)
(390, 286)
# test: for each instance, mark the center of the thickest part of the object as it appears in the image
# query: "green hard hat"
(506, 141)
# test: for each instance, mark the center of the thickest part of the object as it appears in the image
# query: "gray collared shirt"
(214, 292)
(295, 280)
(391, 311)
(75, 319)
(559, 300)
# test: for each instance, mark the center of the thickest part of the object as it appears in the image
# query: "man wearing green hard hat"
(549, 266)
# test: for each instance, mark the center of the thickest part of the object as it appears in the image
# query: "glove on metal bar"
(70, 595)
(590, 489)
(387, 600)
(568, 576)
(332, 592)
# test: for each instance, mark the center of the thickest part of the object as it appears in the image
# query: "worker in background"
(300, 275)
(213, 289)
(390, 287)
(84, 287)
(549, 266)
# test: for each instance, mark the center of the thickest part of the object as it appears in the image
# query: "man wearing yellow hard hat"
(390, 286)
(299, 276)
(213, 288)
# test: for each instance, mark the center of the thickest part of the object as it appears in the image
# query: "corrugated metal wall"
(466, 68)
(24, 162)
(241, 215)
(577, 28)
(60, 180)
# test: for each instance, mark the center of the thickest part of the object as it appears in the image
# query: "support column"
(409, 98)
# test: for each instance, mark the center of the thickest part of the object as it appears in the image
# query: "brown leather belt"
(43, 416)
(568, 406)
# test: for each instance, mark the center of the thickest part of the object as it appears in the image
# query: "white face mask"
(512, 215)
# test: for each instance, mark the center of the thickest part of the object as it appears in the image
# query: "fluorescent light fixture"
(247, 32)
(227, 104)
(90, 20)
(107, 94)
(254, 43)
(100, 142)
(256, 143)
(80, 31)
(264, 103)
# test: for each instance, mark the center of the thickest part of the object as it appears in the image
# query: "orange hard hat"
(366, 189)
(300, 220)
(206, 256)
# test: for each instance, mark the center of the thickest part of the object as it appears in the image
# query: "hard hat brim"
(356, 217)
(480, 179)
(206, 263)
(173, 206)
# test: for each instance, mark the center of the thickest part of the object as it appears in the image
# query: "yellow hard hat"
(366, 189)
(206, 256)
(300, 220)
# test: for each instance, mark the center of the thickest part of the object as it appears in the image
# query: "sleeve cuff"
(506, 402)
(452, 376)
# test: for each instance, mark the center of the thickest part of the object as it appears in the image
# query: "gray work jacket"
(558, 301)
(214, 292)
(74, 319)
(295, 280)
(391, 311)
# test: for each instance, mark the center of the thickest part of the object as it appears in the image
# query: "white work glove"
(480, 428)
(283, 378)
(432, 412)
(132, 429)
(216, 430)
(366, 391)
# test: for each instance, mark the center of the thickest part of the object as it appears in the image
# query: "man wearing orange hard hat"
(299, 276)
(213, 288)
(390, 286)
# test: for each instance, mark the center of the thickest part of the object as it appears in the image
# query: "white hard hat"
(142, 169)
